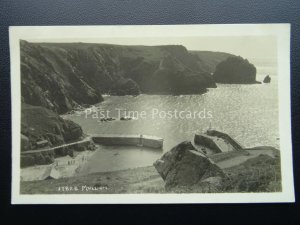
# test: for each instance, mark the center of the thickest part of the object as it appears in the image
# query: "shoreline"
(146, 180)
(70, 167)
(82, 107)
(66, 166)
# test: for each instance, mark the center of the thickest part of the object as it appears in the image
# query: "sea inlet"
(249, 113)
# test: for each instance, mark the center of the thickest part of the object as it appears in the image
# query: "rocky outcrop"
(38, 123)
(184, 168)
(267, 79)
(62, 76)
(39, 158)
(235, 70)
(53, 78)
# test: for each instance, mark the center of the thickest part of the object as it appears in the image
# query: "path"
(57, 147)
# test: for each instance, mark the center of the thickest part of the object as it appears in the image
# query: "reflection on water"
(247, 112)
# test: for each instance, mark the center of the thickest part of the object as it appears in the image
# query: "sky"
(262, 47)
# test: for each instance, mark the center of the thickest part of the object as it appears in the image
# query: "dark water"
(247, 112)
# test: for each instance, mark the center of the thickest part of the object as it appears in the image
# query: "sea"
(249, 113)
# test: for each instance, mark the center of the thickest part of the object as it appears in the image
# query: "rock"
(27, 160)
(39, 123)
(211, 185)
(39, 159)
(91, 146)
(267, 79)
(208, 185)
(25, 145)
(235, 70)
(184, 167)
(72, 132)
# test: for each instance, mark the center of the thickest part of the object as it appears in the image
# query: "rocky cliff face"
(61, 76)
(209, 60)
(38, 123)
(235, 70)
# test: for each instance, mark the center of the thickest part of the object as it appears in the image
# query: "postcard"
(151, 114)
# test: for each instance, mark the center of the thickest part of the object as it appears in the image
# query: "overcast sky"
(245, 46)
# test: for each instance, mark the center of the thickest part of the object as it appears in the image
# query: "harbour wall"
(47, 155)
(129, 140)
(226, 137)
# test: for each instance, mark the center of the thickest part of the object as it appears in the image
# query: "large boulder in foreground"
(186, 169)
(235, 70)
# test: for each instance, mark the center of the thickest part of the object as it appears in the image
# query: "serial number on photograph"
(84, 188)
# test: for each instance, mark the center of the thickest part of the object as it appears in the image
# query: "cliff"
(235, 70)
(41, 124)
(61, 76)
(209, 60)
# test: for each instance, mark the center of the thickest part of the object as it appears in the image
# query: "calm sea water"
(247, 112)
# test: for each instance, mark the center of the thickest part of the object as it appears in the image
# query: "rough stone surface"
(185, 167)
(211, 184)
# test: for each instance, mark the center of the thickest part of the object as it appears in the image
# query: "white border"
(281, 31)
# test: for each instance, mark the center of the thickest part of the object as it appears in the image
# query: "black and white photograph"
(151, 114)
